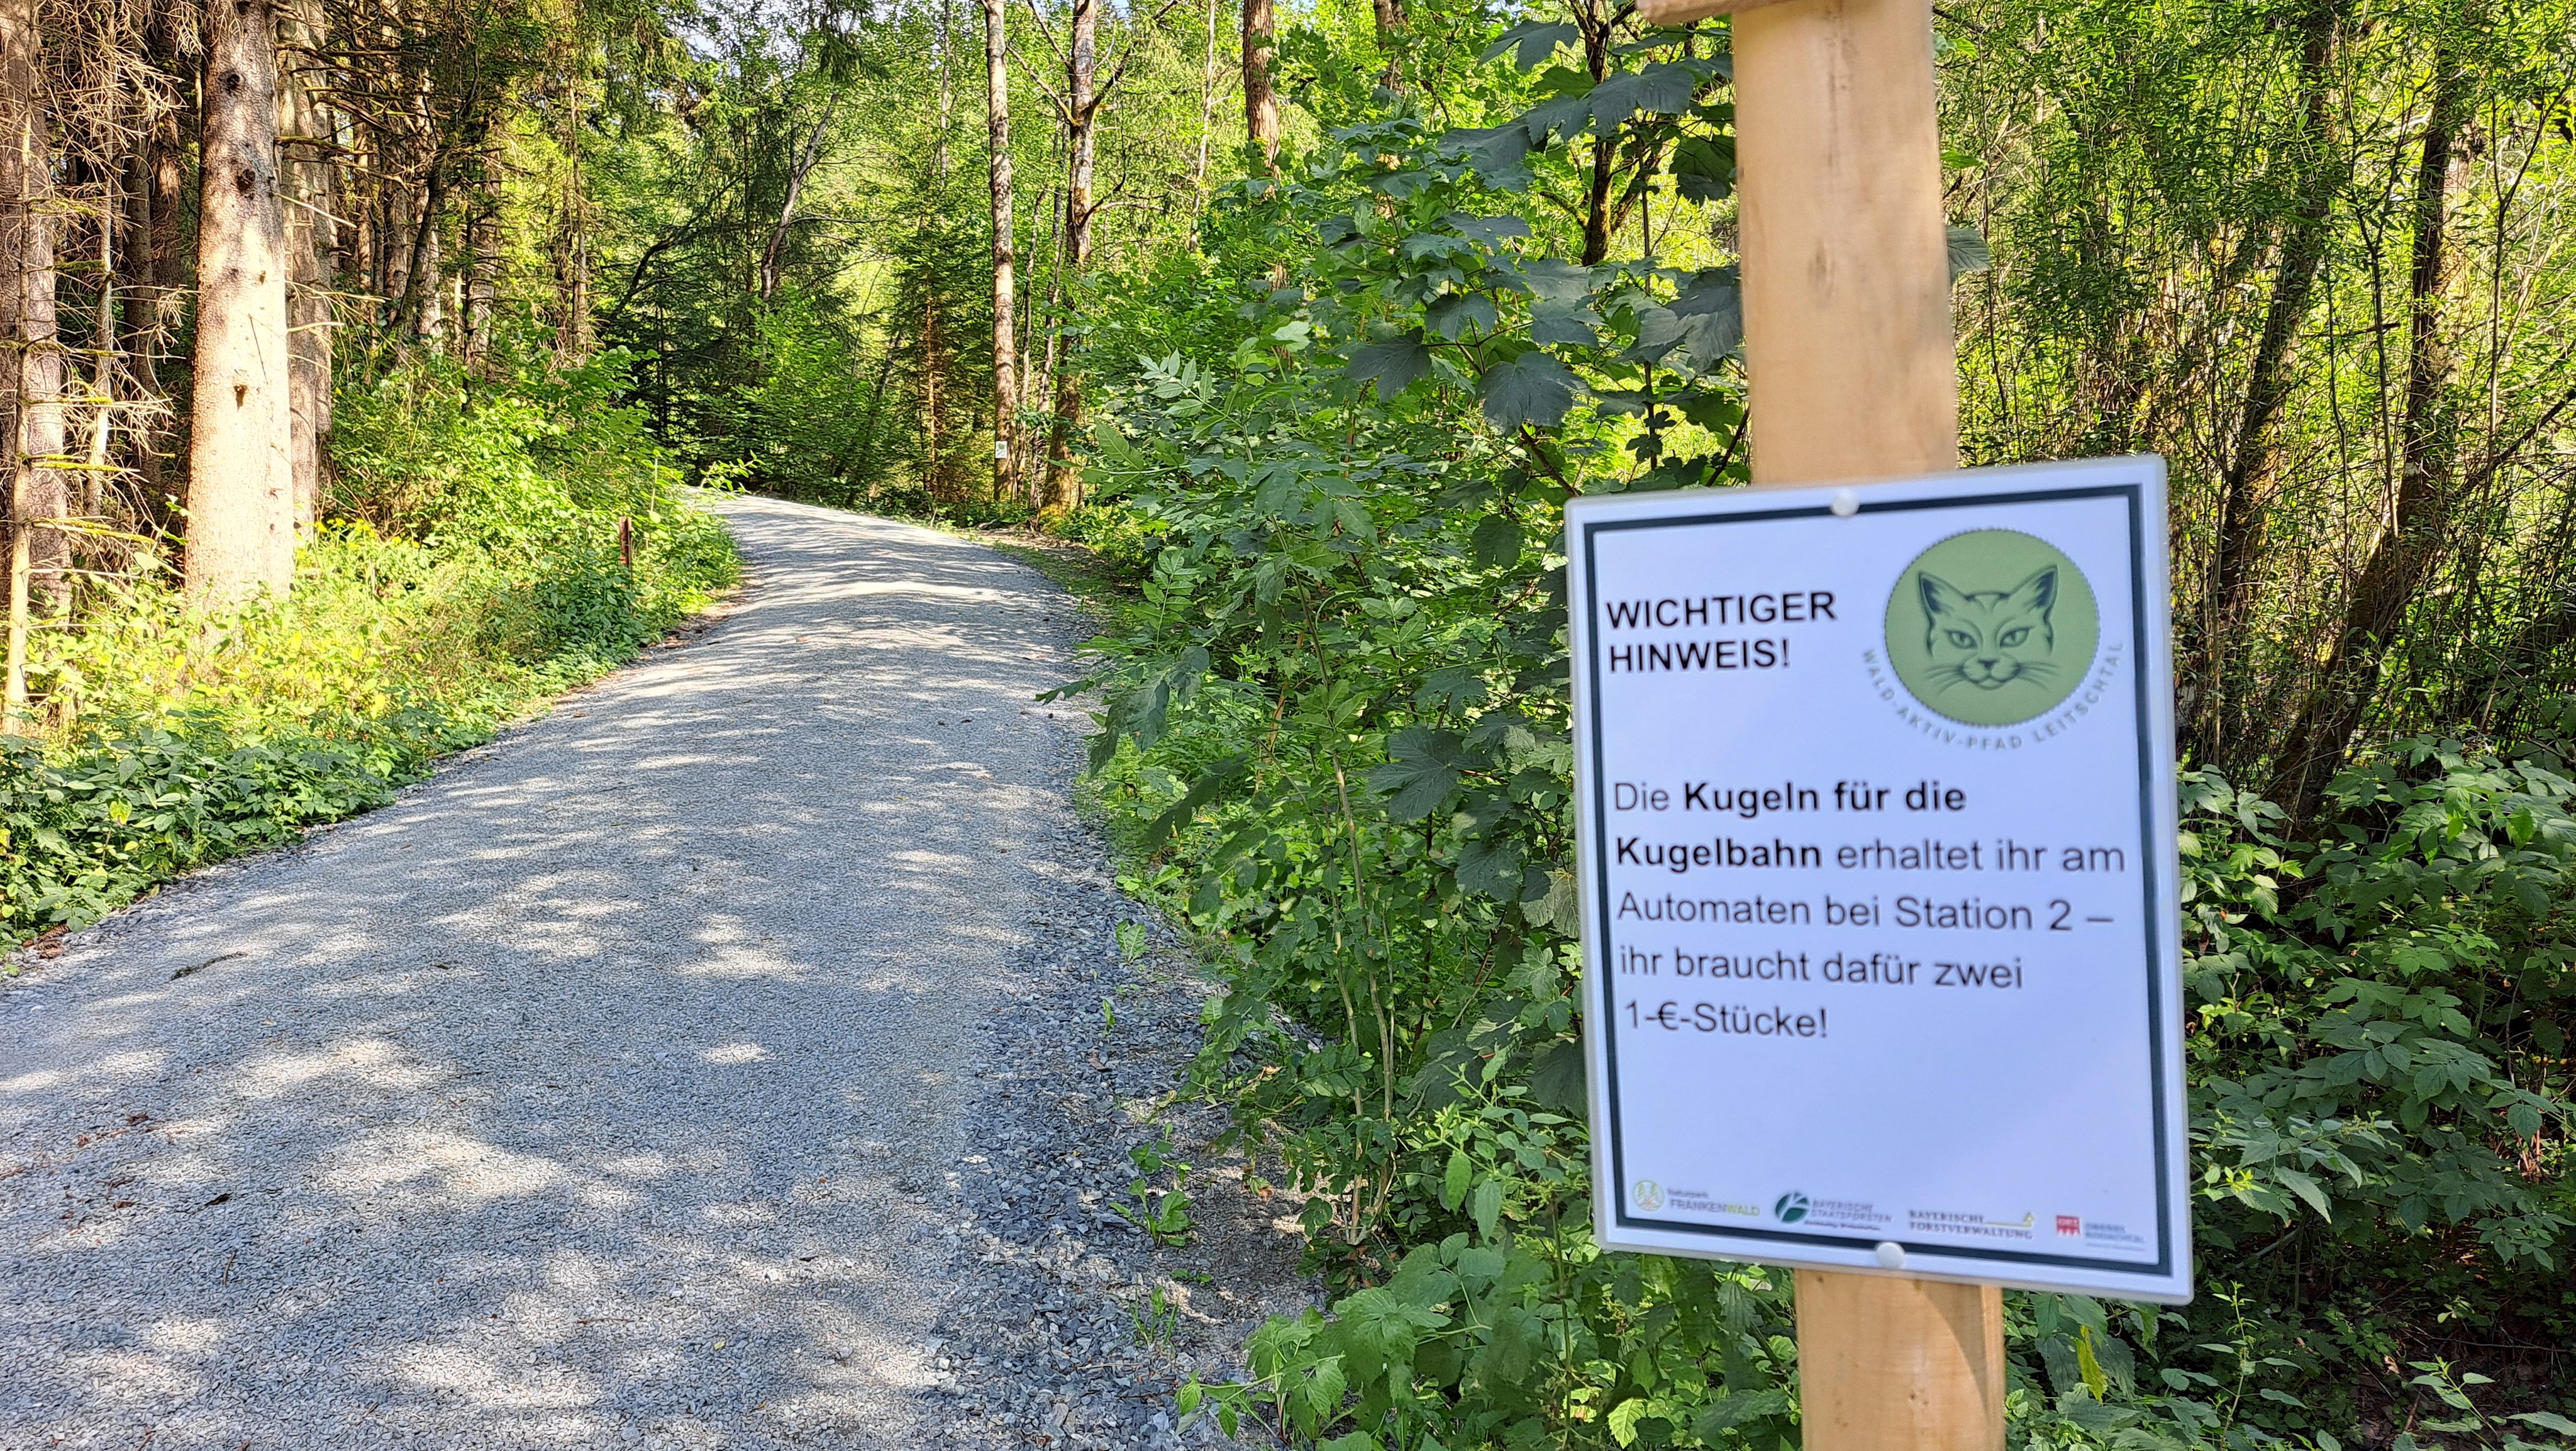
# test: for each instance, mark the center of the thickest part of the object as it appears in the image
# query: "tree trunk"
(934, 362)
(997, 143)
(27, 316)
(1390, 42)
(311, 236)
(26, 162)
(427, 302)
(2405, 548)
(241, 486)
(1598, 224)
(482, 276)
(946, 46)
(138, 342)
(1082, 117)
(393, 251)
(1207, 121)
(2247, 480)
(155, 271)
(1037, 364)
(1260, 103)
(772, 257)
(103, 349)
(572, 240)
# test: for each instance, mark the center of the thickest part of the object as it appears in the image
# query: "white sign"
(1876, 842)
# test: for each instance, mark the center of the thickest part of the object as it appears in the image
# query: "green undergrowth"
(469, 569)
(1334, 744)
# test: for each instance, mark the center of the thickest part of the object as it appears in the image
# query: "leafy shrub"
(1334, 740)
(472, 569)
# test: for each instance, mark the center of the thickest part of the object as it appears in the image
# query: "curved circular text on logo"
(1992, 627)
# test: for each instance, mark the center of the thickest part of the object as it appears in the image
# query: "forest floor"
(742, 1055)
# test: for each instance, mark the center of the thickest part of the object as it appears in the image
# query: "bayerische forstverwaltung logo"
(1992, 627)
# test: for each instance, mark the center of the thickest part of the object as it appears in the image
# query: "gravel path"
(716, 1062)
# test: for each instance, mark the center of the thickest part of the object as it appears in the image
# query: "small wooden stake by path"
(1848, 346)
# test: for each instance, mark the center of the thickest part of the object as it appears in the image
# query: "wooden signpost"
(1849, 350)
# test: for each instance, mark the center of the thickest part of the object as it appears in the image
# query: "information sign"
(1876, 847)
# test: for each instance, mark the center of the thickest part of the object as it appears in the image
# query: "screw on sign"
(1848, 347)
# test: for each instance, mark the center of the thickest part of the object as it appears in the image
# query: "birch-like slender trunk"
(241, 484)
(1207, 120)
(997, 145)
(772, 257)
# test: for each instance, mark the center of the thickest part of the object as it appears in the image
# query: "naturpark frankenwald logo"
(1650, 1195)
(1790, 1207)
(1992, 627)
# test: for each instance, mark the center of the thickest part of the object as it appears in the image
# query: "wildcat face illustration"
(1990, 638)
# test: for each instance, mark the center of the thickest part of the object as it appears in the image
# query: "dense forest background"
(361, 349)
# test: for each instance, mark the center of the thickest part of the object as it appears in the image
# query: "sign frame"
(1618, 1225)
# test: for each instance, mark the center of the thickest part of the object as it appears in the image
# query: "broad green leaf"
(1420, 772)
(1703, 168)
(1663, 89)
(1496, 542)
(1739, 1408)
(1530, 389)
(2307, 1189)
(1490, 869)
(1201, 792)
(1564, 325)
(1489, 230)
(1658, 333)
(1711, 310)
(1557, 1078)
(1968, 252)
(1553, 279)
(1458, 313)
(1393, 364)
(1532, 42)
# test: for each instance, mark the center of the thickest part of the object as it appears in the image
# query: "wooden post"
(1848, 347)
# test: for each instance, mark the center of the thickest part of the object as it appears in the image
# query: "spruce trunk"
(38, 554)
(311, 237)
(241, 484)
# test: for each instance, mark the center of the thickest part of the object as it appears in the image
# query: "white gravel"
(715, 1062)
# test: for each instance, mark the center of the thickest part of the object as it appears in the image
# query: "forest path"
(610, 1087)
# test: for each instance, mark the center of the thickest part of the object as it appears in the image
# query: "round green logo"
(1992, 627)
